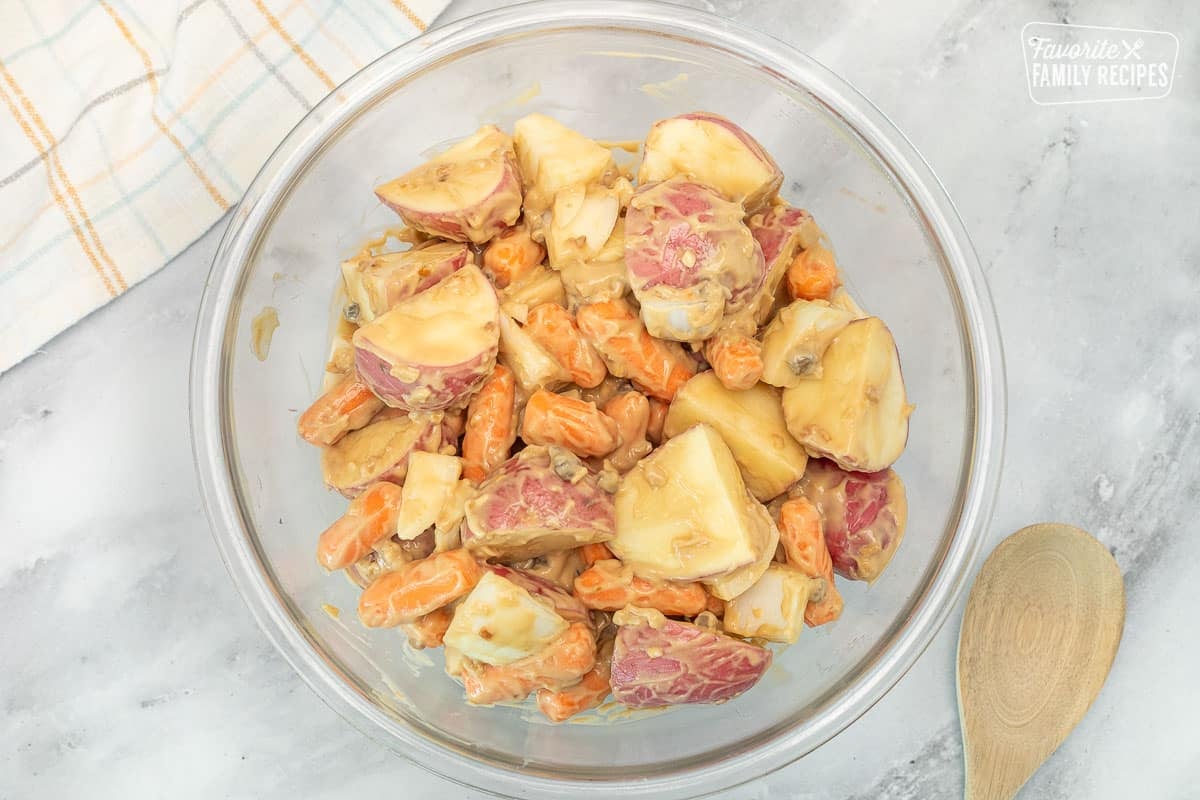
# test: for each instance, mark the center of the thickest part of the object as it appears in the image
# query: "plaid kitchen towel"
(128, 127)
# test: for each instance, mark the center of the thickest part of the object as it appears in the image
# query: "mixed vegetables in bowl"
(606, 429)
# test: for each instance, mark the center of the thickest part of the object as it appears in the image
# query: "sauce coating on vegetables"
(605, 436)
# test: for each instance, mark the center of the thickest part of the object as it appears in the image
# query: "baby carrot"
(631, 412)
(813, 274)
(736, 360)
(554, 329)
(347, 406)
(659, 368)
(802, 535)
(429, 630)
(610, 586)
(510, 256)
(491, 425)
(560, 664)
(370, 519)
(418, 588)
(573, 424)
(590, 692)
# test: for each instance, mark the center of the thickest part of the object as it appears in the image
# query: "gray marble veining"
(130, 668)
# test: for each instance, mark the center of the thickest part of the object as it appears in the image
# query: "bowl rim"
(212, 443)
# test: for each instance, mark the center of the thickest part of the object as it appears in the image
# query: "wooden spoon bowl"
(1038, 637)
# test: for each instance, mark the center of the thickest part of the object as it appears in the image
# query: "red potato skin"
(402, 278)
(565, 604)
(524, 493)
(662, 230)
(435, 387)
(476, 224)
(682, 663)
(418, 379)
(777, 232)
(864, 514)
(560, 665)
(428, 440)
(780, 232)
(768, 189)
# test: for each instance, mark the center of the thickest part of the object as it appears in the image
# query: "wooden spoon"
(1038, 637)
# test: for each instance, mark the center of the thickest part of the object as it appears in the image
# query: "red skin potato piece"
(682, 663)
(434, 389)
(864, 515)
(565, 604)
(673, 228)
(525, 494)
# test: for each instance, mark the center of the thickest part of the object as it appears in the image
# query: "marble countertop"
(129, 667)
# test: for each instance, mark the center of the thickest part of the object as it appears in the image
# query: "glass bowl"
(608, 69)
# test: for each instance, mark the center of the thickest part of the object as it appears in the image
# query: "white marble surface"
(130, 668)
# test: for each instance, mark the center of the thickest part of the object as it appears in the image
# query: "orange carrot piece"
(370, 519)
(347, 406)
(510, 256)
(714, 604)
(491, 425)
(574, 424)
(610, 586)
(813, 275)
(418, 588)
(591, 553)
(736, 360)
(631, 411)
(802, 534)
(590, 692)
(429, 630)
(553, 327)
(659, 368)
(560, 664)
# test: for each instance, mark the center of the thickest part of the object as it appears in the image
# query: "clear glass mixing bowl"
(609, 69)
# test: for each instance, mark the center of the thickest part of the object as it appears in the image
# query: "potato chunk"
(525, 509)
(797, 338)
(539, 286)
(856, 412)
(711, 149)
(751, 423)
(499, 623)
(583, 220)
(863, 513)
(683, 513)
(378, 452)
(532, 366)
(690, 257)
(660, 662)
(435, 349)
(773, 608)
(430, 484)
(781, 231)
(729, 585)
(375, 283)
(469, 193)
(553, 157)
